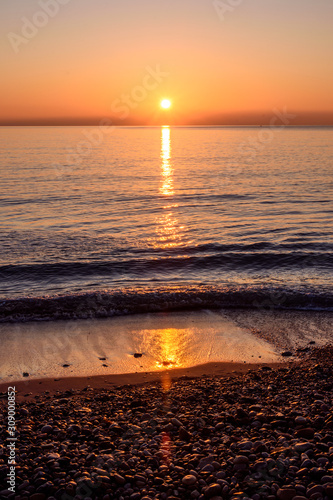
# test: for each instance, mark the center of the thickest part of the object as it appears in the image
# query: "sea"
(99, 222)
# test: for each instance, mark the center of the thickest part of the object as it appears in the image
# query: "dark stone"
(184, 435)
(119, 479)
(37, 496)
(213, 490)
(286, 493)
(306, 433)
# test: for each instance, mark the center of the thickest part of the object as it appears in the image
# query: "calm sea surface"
(98, 223)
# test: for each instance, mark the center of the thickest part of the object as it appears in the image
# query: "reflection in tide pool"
(179, 340)
(166, 341)
(169, 346)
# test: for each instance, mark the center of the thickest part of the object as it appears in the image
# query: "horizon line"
(258, 118)
(307, 125)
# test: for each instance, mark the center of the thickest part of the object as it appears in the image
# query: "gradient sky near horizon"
(259, 55)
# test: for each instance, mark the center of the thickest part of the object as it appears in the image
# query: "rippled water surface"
(169, 214)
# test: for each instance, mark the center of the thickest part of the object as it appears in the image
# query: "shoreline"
(30, 388)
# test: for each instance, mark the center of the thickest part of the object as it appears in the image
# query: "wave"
(103, 304)
(184, 263)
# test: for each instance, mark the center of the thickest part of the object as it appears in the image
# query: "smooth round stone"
(37, 496)
(246, 445)
(47, 429)
(208, 468)
(189, 480)
(307, 463)
(176, 422)
(241, 459)
(119, 479)
(301, 447)
(300, 420)
(135, 496)
(326, 479)
(53, 456)
(286, 493)
(195, 494)
(221, 474)
(315, 489)
(329, 489)
(213, 490)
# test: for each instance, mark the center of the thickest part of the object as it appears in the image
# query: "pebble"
(241, 459)
(47, 429)
(301, 447)
(189, 480)
(184, 435)
(213, 490)
(176, 422)
(286, 493)
(207, 438)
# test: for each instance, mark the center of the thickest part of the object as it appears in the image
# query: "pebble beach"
(266, 433)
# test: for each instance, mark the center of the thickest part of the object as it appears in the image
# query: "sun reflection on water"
(168, 229)
(167, 185)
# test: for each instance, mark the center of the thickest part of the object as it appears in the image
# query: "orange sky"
(94, 59)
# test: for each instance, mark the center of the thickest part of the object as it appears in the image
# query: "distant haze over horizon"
(255, 119)
(219, 62)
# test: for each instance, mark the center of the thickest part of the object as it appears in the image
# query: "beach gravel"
(266, 434)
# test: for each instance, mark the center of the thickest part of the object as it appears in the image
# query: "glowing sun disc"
(166, 104)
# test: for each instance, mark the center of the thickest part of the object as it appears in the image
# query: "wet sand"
(131, 344)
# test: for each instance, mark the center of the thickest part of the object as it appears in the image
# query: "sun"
(166, 104)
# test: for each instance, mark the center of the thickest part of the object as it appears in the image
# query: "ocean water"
(97, 223)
